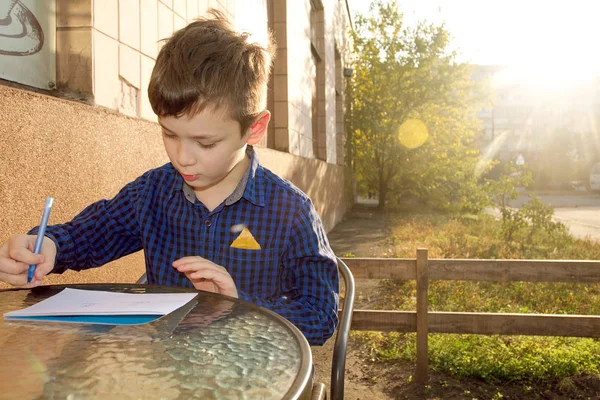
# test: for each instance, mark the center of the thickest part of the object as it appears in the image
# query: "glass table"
(215, 347)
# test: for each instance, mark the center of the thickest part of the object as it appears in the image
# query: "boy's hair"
(206, 64)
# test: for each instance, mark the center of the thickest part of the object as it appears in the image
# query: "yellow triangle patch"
(245, 241)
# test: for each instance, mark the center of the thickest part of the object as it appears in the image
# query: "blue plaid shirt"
(294, 273)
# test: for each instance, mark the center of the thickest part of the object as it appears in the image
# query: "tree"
(402, 75)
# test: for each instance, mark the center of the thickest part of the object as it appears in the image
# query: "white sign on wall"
(28, 42)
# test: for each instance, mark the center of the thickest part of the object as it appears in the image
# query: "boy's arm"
(104, 231)
(309, 291)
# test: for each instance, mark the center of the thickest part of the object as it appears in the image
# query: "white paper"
(92, 302)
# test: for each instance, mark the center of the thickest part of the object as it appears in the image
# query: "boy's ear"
(259, 128)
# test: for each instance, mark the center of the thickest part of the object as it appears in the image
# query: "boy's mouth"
(189, 178)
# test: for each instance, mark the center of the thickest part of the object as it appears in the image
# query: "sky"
(546, 40)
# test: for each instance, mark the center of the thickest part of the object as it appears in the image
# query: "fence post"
(422, 320)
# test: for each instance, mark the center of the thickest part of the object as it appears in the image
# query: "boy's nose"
(184, 155)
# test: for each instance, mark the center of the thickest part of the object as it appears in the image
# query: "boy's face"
(204, 148)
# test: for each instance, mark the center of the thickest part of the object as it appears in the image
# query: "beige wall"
(323, 182)
(78, 154)
(74, 153)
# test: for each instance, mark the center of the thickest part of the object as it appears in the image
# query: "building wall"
(126, 37)
(330, 104)
(75, 153)
(301, 75)
(295, 78)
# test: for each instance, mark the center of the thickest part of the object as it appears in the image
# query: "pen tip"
(49, 201)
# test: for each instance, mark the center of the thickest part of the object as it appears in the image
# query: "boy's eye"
(165, 134)
(206, 146)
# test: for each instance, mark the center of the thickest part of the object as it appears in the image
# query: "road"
(580, 212)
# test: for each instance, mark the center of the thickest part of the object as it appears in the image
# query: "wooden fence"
(422, 269)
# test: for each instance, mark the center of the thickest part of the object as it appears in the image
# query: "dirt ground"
(363, 233)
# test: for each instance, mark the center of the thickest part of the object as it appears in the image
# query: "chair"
(338, 363)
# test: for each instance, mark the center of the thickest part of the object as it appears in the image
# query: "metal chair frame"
(338, 364)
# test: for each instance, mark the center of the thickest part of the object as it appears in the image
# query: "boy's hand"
(206, 275)
(16, 254)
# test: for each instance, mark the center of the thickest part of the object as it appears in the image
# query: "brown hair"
(206, 64)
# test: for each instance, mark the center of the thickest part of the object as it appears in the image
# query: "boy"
(212, 218)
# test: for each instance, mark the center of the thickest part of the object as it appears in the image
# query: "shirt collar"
(249, 187)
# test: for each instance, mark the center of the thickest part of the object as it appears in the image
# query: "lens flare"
(413, 133)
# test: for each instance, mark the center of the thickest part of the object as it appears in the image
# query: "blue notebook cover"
(94, 319)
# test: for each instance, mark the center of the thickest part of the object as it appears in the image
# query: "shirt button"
(207, 223)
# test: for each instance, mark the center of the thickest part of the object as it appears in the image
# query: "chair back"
(338, 364)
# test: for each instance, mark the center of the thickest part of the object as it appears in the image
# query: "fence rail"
(422, 269)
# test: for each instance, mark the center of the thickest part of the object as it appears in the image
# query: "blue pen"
(40, 236)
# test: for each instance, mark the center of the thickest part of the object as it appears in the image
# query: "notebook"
(101, 307)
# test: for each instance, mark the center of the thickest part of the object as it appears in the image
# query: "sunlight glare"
(548, 45)
(251, 21)
(489, 154)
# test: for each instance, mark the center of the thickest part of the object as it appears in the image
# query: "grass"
(491, 358)
(494, 359)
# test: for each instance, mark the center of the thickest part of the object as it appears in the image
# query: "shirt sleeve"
(104, 231)
(309, 294)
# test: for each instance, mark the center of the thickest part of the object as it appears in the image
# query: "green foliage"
(512, 222)
(509, 358)
(496, 359)
(503, 187)
(531, 224)
(492, 358)
(401, 74)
